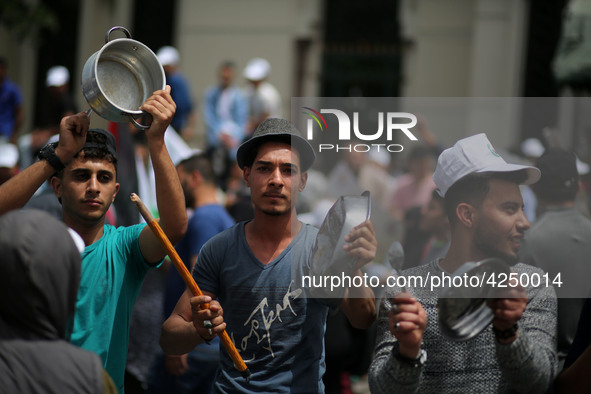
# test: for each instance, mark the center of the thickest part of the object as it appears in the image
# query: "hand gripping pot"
(463, 310)
(120, 77)
(328, 256)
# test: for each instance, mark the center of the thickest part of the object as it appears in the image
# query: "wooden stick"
(189, 281)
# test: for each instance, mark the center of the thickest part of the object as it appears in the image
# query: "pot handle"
(124, 30)
(139, 125)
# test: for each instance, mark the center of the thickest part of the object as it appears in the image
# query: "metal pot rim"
(101, 51)
(143, 72)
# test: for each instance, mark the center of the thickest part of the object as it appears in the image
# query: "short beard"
(189, 200)
(492, 252)
(276, 213)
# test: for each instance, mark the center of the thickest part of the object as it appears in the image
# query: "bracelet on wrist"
(413, 362)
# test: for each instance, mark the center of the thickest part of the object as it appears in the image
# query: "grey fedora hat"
(276, 130)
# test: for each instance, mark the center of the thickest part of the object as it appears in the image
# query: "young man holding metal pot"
(253, 268)
(83, 167)
(517, 352)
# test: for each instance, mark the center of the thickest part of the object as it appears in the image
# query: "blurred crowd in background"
(406, 209)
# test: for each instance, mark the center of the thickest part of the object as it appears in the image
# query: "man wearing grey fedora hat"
(249, 268)
(517, 352)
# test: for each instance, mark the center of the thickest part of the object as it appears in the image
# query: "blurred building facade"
(450, 48)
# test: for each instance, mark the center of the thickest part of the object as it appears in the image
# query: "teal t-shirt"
(112, 274)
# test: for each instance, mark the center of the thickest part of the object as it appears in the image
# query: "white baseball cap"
(257, 69)
(168, 56)
(8, 155)
(474, 154)
(532, 147)
(380, 157)
(582, 167)
(57, 76)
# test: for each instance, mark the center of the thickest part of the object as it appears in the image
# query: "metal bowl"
(328, 256)
(463, 312)
(120, 77)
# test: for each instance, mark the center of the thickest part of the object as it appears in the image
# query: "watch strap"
(48, 153)
(505, 334)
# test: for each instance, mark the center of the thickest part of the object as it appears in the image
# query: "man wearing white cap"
(59, 102)
(517, 352)
(263, 98)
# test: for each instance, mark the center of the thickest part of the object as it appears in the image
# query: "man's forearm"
(359, 305)
(15, 192)
(387, 374)
(524, 357)
(19, 189)
(178, 336)
(169, 193)
(533, 352)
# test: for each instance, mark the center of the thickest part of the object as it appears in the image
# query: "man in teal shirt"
(83, 170)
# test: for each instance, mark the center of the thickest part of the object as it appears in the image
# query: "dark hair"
(3, 61)
(560, 179)
(200, 162)
(227, 64)
(97, 150)
(437, 197)
(473, 189)
(253, 151)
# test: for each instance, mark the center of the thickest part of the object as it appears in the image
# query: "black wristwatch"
(48, 153)
(507, 333)
(413, 362)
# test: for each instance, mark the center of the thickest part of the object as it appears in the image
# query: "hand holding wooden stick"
(189, 281)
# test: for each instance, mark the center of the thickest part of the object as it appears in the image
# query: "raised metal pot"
(120, 77)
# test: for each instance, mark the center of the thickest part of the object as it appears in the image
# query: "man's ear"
(245, 175)
(56, 184)
(196, 178)
(466, 214)
(116, 191)
(303, 180)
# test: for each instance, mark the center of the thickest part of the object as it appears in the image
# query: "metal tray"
(328, 256)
